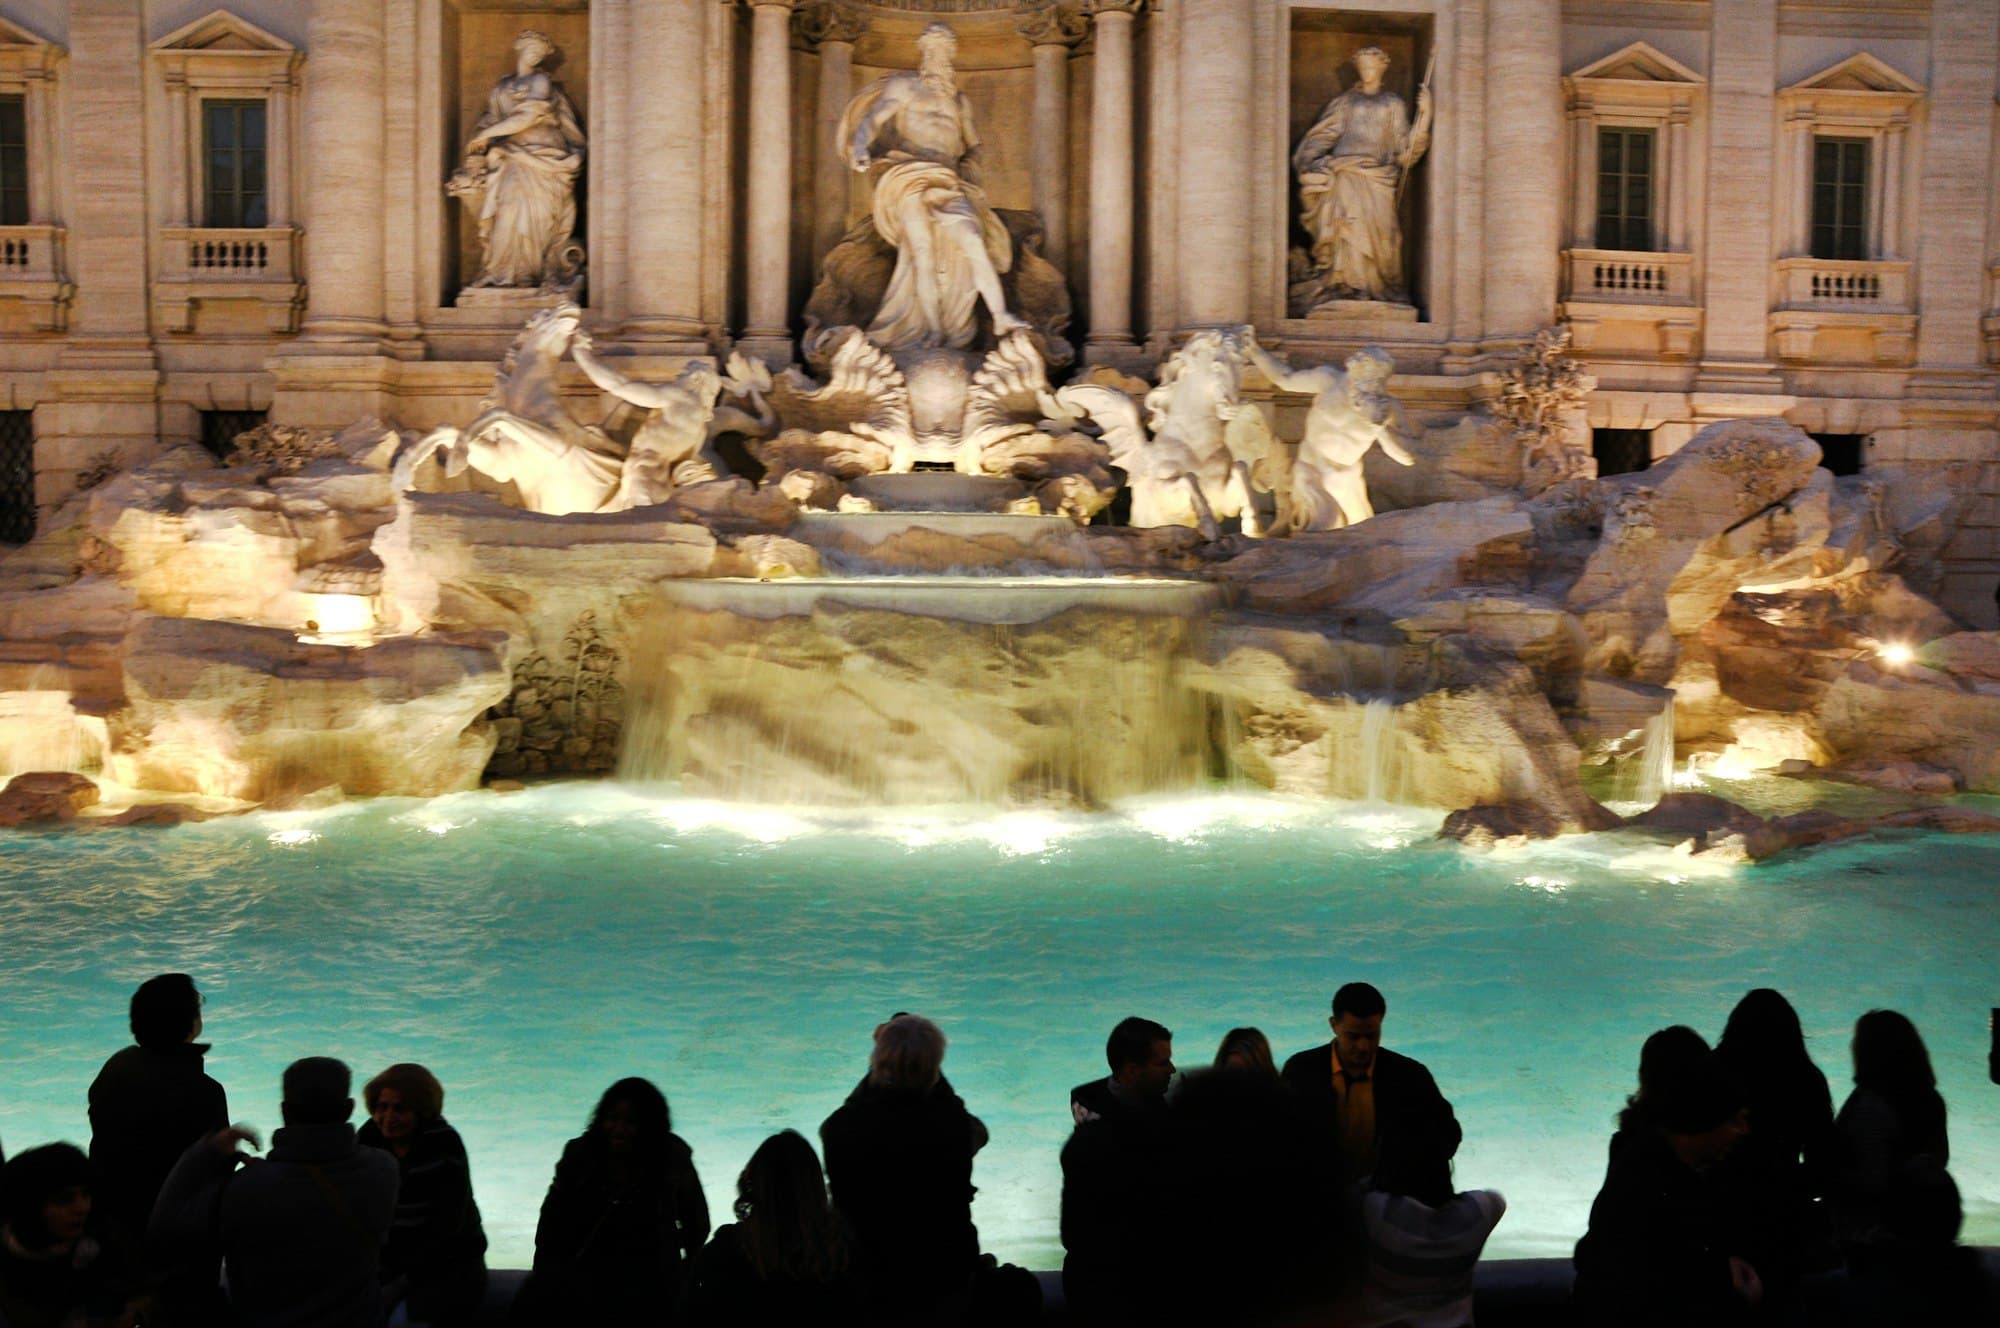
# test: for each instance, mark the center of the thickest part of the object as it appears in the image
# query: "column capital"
(1096, 8)
(1052, 25)
(829, 21)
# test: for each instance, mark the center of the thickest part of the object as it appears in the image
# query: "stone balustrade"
(1626, 277)
(1825, 283)
(35, 289)
(1835, 311)
(243, 274)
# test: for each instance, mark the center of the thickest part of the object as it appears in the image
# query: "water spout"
(1656, 756)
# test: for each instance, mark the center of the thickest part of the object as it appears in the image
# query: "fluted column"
(1051, 30)
(1112, 202)
(768, 261)
(834, 27)
(664, 177)
(1215, 82)
(344, 152)
(1524, 128)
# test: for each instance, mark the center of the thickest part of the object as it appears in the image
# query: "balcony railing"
(1620, 276)
(33, 275)
(207, 254)
(236, 272)
(1834, 284)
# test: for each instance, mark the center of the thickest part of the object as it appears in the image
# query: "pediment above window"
(1641, 62)
(1859, 79)
(220, 31)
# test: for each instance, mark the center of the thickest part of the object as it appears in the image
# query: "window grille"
(17, 476)
(13, 161)
(220, 427)
(1621, 451)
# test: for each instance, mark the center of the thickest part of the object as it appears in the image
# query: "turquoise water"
(531, 948)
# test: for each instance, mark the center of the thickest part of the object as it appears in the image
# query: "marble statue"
(1210, 454)
(521, 164)
(523, 436)
(1352, 166)
(1351, 412)
(913, 132)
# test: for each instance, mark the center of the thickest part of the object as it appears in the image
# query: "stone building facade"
(1742, 207)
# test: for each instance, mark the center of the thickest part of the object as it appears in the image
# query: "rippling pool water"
(531, 948)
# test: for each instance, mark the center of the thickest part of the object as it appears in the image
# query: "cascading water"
(1656, 757)
(1378, 748)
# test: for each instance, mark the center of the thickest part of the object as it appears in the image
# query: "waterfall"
(1378, 747)
(1656, 756)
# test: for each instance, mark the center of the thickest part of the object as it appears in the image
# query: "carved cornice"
(1052, 25)
(829, 21)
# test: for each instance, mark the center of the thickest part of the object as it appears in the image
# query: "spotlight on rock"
(1895, 653)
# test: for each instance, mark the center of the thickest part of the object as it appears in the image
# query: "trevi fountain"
(918, 663)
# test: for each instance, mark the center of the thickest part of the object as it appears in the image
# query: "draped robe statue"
(522, 163)
(914, 131)
(1351, 166)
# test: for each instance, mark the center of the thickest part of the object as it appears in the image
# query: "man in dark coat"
(1118, 1199)
(150, 1101)
(1361, 1092)
(300, 1232)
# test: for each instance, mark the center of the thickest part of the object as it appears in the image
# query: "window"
(232, 141)
(1841, 453)
(220, 427)
(17, 476)
(1840, 198)
(13, 161)
(1625, 173)
(1621, 451)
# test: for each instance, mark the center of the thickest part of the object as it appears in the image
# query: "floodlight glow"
(1896, 653)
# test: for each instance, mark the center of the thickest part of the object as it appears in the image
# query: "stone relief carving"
(523, 436)
(563, 714)
(1351, 412)
(932, 251)
(1352, 167)
(1542, 398)
(520, 172)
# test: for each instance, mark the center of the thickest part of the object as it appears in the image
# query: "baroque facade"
(1742, 208)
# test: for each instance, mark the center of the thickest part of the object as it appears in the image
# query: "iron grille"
(17, 476)
(220, 427)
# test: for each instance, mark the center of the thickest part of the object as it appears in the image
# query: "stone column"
(1891, 243)
(1583, 151)
(185, 162)
(1215, 99)
(665, 180)
(1797, 240)
(345, 146)
(768, 256)
(1738, 234)
(1112, 202)
(1957, 175)
(1051, 31)
(103, 393)
(834, 27)
(1679, 165)
(278, 156)
(1523, 132)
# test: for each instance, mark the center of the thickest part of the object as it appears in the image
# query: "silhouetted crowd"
(1316, 1192)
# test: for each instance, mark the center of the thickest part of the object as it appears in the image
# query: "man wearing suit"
(1363, 1093)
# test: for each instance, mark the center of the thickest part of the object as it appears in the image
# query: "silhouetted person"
(301, 1232)
(1244, 1210)
(1916, 1274)
(1362, 1092)
(1117, 1231)
(435, 1260)
(1893, 1115)
(1140, 1054)
(1659, 1251)
(1773, 1176)
(786, 1258)
(150, 1101)
(54, 1272)
(622, 1217)
(1423, 1239)
(1246, 1050)
(899, 1164)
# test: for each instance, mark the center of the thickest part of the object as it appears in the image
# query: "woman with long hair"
(53, 1271)
(622, 1216)
(1893, 1115)
(786, 1258)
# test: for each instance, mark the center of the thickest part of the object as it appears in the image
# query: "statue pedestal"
(1362, 311)
(508, 306)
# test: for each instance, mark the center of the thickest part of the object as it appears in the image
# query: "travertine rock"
(45, 795)
(234, 711)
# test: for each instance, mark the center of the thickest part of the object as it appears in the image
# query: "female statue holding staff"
(1351, 165)
(523, 160)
